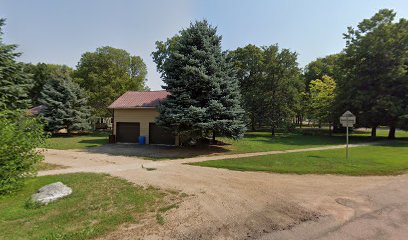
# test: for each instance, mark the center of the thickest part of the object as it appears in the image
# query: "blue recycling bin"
(142, 140)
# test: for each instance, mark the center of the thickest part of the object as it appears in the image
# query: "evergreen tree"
(204, 91)
(14, 82)
(65, 105)
(41, 73)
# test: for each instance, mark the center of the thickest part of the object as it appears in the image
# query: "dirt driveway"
(224, 204)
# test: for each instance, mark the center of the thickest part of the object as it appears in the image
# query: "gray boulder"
(51, 192)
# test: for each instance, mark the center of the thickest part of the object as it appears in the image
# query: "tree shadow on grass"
(157, 152)
(307, 139)
(96, 141)
(294, 139)
(400, 142)
(315, 156)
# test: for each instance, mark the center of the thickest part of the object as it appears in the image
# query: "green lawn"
(387, 159)
(252, 142)
(381, 133)
(263, 141)
(73, 142)
(99, 204)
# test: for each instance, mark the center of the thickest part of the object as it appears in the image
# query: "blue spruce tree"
(205, 98)
(65, 105)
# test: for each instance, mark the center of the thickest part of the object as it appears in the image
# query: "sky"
(60, 31)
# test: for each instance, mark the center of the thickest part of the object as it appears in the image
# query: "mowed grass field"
(94, 139)
(259, 141)
(263, 141)
(385, 159)
(99, 204)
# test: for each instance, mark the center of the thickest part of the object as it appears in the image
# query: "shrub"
(19, 137)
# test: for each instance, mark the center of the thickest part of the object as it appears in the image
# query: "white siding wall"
(142, 116)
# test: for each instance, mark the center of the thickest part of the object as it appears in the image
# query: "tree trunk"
(253, 123)
(391, 133)
(330, 129)
(300, 121)
(373, 132)
(68, 128)
(273, 131)
(320, 124)
(213, 137)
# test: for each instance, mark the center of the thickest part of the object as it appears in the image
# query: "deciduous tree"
(248, 64)
(376, 87)
(281, 86)
(321, 100)
(19, 137)
(320, 67)
(107, 73)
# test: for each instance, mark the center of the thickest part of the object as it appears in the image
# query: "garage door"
(158, 135)
(127, 132)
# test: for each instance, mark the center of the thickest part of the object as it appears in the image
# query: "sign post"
(347, 120)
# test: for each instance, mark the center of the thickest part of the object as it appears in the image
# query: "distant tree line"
(270, 82)
(370, 74)
(216, 93)
(369, 77)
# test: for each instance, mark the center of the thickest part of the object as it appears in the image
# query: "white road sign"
(348, 119)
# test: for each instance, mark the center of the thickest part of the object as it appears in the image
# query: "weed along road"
(225, 204)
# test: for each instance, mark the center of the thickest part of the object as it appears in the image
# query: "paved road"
(225, 204)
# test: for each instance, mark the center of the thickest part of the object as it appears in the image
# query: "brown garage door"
(158, 135)
(127, 132)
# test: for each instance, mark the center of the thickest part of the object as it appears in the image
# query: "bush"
(19, 137)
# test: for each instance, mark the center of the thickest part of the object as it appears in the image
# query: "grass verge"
(263, 141)
(99, 203)
(43, 166)
(94, 139)
(387, 159)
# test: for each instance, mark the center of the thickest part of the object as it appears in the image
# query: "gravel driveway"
(224, 204)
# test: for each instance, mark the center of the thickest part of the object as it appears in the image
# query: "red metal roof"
(133, 99)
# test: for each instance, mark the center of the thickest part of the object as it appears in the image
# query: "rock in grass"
(50, 193)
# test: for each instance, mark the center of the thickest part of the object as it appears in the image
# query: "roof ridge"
(149, 91)
(139, 99)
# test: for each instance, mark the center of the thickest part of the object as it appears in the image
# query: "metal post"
(347, 143)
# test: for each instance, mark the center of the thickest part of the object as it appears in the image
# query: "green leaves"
(107, 73)
(321, 98)
(375, 58)
(19, 136)
(270, 84)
